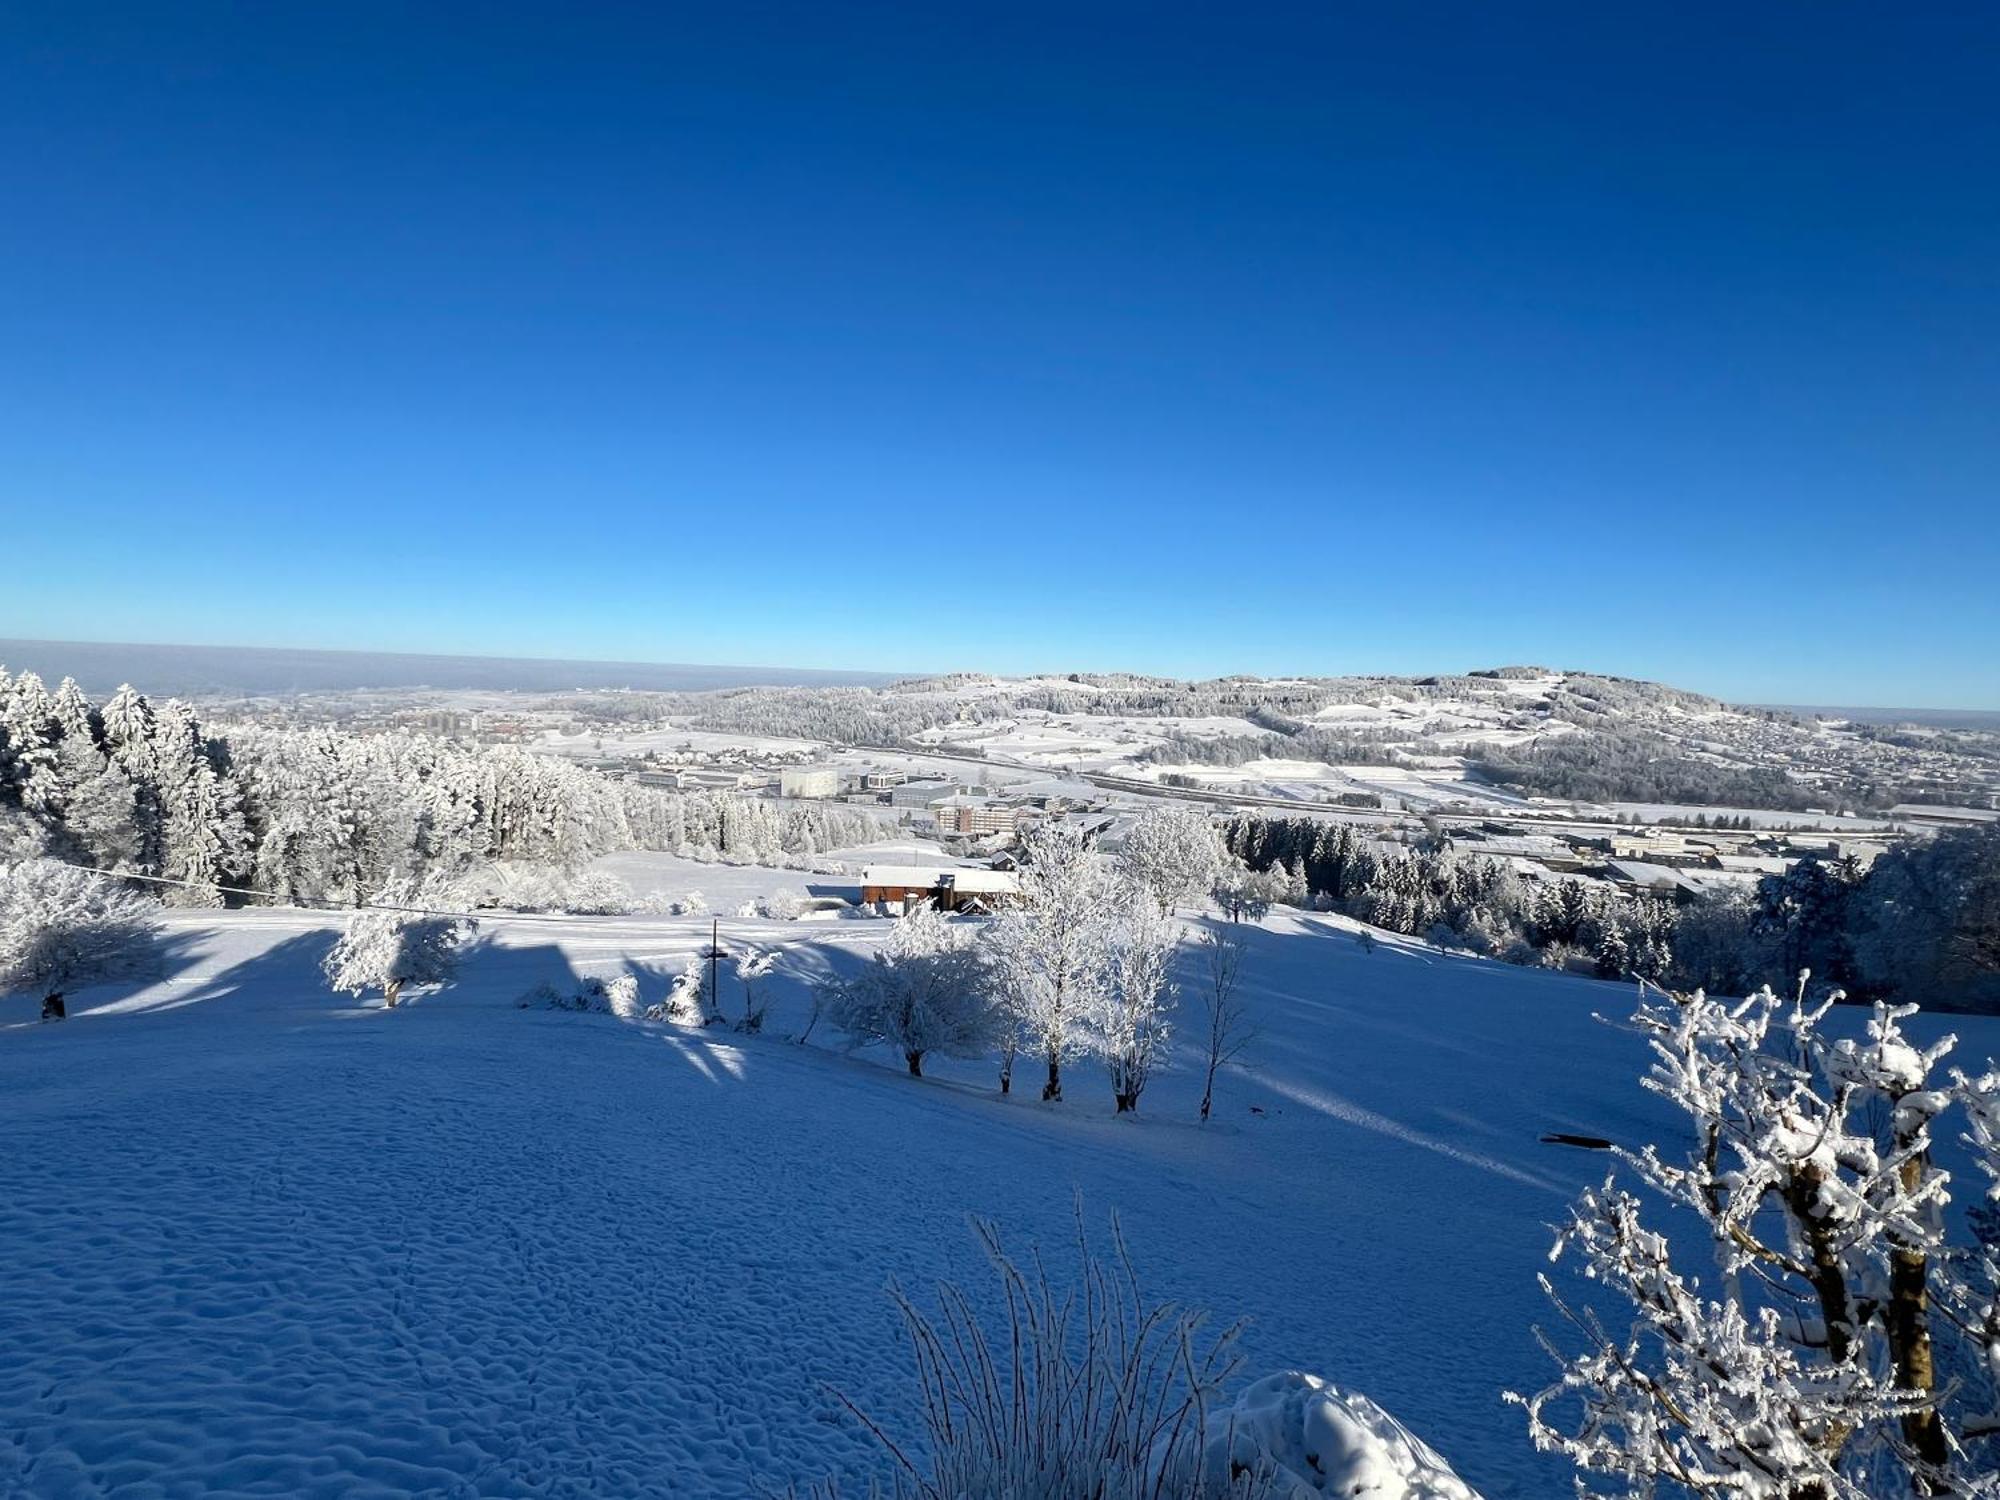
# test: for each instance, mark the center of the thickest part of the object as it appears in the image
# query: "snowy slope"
(265, 1241)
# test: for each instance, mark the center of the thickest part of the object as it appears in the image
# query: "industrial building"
(974, 817)
(808, 781)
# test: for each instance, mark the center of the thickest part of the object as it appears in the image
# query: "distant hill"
(216, 671)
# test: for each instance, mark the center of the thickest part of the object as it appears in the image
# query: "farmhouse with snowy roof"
(897, 886)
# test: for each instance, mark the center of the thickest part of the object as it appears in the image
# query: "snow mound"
(1322, 1440)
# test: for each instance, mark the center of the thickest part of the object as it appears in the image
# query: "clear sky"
(1661, 340)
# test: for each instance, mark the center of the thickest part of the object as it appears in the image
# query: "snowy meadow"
(472, 1149)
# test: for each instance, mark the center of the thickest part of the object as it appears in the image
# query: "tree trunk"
(1207, 1094)
(916, 1062)
(1910, 1334)
(53, 1008)
(1127, 1103)
(392, 991)
(1053, 1088)
(1829, 1281)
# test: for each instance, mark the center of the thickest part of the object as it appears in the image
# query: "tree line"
(1922, 923)
(318, 817)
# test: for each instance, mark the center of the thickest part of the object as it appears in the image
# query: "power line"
(493, 915)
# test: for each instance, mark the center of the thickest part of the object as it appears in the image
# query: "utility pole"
(714, 955)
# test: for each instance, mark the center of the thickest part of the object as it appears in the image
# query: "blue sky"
(1656, 340)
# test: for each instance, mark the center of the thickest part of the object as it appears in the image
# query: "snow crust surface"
(263, 1240)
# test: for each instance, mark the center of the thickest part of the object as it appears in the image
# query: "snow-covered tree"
(753, 967)
(410, 934)
(1053, 943)
(31, 732)
(63, 928)
(929, 989)
(1227, 1031)
(1806, 1370)
(1972, 1295)
(1241, 893)
(1174, 853)
(1130, 1017)
(685, 1004)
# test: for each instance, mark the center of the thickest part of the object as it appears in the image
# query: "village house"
(897, 887)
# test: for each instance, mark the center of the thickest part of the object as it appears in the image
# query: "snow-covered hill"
(1481, 741)
(262, 1240)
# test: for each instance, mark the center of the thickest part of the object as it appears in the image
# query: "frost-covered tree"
(1239, 892)
(1053, 943)
(30, 732)
(1130, 1017)
(1227, 1031)
(753, 967)
(410, 934)
(1174, 853)
(685, 1004)
(1806, 1370)
(930, 989)
(62, 928)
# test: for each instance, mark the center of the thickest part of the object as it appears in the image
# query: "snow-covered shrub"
(616, 996)
(63, 928)
(539, 888)
(596, 893)
(411, 934)
(544, 996)
(1310, 1439)
(621, 994)
(784, 906)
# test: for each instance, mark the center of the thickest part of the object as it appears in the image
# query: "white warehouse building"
(808, 781)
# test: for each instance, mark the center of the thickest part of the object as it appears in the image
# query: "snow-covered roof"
(910, 875)
(1639, 873)
(919, 877)
(1759, 864)
(990, 882)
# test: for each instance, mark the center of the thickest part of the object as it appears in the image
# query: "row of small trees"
(1081, 964)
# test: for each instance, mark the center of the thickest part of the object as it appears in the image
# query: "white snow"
(263, 1240)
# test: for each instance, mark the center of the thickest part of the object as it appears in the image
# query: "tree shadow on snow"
(278, 977)
(176, 953)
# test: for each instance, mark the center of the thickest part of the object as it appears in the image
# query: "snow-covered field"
(264, 1240)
